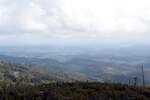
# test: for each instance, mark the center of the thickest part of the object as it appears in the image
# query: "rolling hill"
(75, 68)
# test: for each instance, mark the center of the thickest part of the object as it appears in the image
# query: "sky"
(52, 22)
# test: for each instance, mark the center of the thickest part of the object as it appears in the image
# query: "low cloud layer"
(38, 22)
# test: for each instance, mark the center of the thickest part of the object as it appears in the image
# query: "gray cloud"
(74, 20)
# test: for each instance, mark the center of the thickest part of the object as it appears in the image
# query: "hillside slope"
(72, 91)
(35, 73)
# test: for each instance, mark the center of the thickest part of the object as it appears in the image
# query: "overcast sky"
(44, 22)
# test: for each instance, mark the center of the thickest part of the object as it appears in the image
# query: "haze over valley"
(91, 63)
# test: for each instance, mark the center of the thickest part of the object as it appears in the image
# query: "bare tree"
(129, 81)
(143, 77)
(135, 80)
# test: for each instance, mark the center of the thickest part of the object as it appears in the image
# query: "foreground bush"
(72, 91)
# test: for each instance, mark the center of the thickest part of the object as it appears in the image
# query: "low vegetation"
(72, 91)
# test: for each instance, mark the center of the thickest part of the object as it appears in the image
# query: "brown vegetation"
(72, 91)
